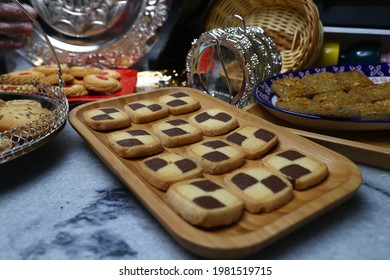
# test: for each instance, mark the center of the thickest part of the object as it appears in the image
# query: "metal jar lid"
(228, 62)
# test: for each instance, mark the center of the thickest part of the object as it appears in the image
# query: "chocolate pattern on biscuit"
(272, 182)
(207, 201)
(293, 171)
(106, 114)
(152, 107)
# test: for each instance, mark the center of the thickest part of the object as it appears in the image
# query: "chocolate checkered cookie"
(253, 141)
(214, 122)
(204, 203)
(144, 111)
(301, 170)
(163, 170)
(134, 143)
(106, 118)
(180, 103)
(261, 189)
(216, 156)
(176, 132)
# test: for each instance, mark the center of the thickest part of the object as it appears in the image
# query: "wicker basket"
(293, 25)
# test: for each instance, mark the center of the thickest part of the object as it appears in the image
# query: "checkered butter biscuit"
(253, 141)
(215, 156)
(180, 103)
(214, 122)
(301, 170)
(204, 203)
(162, 171)
(106, 118)
(133, 143)
(144, 111)
(261, 189)
(176, 132)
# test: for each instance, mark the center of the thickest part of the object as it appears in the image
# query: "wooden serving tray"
(367, 147)
(252, 232)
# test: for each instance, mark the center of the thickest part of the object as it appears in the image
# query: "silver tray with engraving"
(104, 33)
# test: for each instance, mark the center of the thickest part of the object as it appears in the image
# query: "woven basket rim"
(294, 57)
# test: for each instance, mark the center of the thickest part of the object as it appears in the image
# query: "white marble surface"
(62, 202)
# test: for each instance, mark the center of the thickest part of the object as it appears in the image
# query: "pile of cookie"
(79, 80)
(212, 143)
(24, 117)
(349, 94)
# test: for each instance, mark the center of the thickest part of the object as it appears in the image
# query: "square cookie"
(106, 118)
(216, 156)
(301, 170)
(162, 171)
(204, 203)
(144, 111)
(180, 102)
(261, 189)
(176, 132)
(321, 82)
(253, 141)
(289, 87)
(214, 122)
(134, 143)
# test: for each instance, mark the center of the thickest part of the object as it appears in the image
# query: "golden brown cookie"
(204, 203)
(52, 79)
(51, 69)
(290, 87)
(351, 79)
(13, 116)
(101, 83)
(111, 73)
(22, 77)
(79, 72)
(75, 91)
(321, 82)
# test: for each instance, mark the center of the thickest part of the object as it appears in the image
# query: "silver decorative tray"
(104, 33)
(23, 139)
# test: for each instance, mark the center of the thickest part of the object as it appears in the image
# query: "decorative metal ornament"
(228, 62)
(104, 33)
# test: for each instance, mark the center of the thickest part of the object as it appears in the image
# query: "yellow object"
(329, 54)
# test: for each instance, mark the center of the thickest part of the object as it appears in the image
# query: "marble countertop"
(62, 202)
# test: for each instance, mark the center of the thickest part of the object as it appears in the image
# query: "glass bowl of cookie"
(31, 111)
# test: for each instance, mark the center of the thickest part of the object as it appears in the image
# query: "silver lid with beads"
(228, 62)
